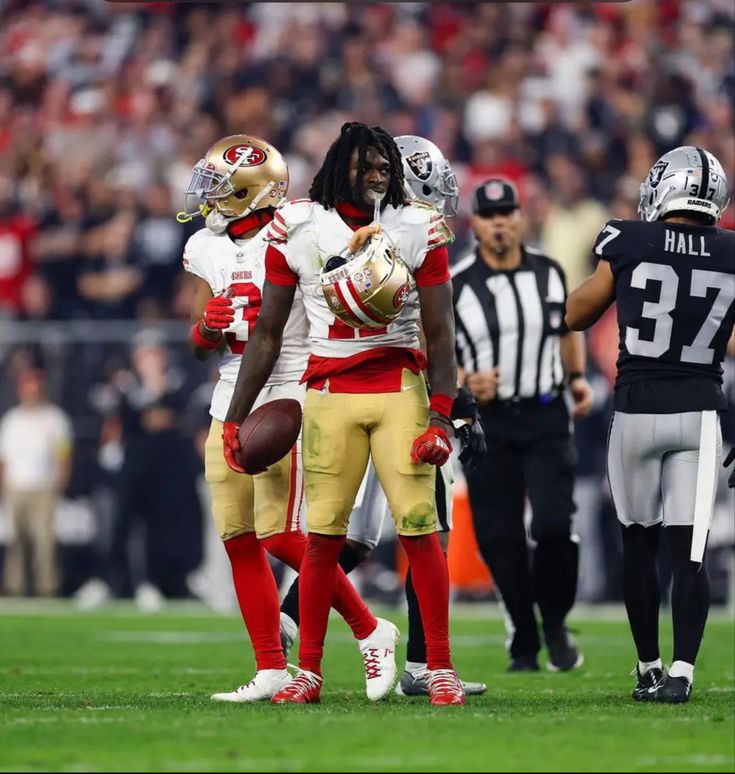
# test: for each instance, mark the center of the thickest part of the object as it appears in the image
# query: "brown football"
(268, 434)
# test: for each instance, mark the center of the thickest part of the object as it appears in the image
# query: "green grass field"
(117, 691)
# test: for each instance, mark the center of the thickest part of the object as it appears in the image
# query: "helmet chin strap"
(256, 201)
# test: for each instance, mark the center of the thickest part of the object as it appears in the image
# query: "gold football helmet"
(371, 289)
(238, 175)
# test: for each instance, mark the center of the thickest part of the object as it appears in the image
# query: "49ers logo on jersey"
(401, 296)
(244, 155)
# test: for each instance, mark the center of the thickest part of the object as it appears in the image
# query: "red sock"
(257, 596)
(431, 582)
(351, 606)
(318, 583)
(289, 547)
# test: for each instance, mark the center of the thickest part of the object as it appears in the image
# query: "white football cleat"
(93, 594)
(148, 598)
(264, 686)
(379, 656)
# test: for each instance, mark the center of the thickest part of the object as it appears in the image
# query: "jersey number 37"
(699, 351)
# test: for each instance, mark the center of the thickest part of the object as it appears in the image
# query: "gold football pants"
(267, 504)
(342, 430)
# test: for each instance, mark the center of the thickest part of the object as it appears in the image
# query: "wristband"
(574, 375)
(202, 341)
(442, 404)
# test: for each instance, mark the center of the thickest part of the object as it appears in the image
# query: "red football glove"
(433, 447)
(231, 444)
(219, 313)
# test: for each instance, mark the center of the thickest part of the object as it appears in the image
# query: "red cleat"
(445, 688)
(305, 688)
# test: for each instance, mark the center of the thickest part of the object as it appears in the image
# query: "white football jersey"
(308, 235)
(239, 268)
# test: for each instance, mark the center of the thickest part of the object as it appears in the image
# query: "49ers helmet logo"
(252, 155)
(401, 296)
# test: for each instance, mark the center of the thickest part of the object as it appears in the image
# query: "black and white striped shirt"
(512, 319)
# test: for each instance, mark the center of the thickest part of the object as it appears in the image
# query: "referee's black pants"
(530, 454)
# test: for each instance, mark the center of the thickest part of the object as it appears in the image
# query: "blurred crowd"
(105, 108)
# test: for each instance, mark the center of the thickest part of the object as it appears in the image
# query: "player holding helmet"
(366, 393)
(428, 178)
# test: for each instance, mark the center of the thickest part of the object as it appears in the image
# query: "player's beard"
(365, 198)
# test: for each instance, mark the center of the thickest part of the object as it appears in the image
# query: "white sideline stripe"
(170, 637)
(706, 479)
(66, 718)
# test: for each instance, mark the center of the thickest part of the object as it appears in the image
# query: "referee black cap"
(495, 195)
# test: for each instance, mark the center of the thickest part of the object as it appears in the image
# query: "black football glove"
(471, 436)
(728, 460)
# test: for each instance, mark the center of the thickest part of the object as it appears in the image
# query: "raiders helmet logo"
(657, 172)
(244, 155)
(420, 164)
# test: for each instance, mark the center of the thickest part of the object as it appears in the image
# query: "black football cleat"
(524, 664)
(646, 683)
(672, 690)
(563, 652)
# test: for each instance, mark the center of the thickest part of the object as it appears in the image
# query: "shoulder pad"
(605, 244)
(297, 211)
(417, 212)
(197, 241)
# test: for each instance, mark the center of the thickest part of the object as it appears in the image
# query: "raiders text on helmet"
(429, 176)
(371, 289)
(686, 179)
(238, 175)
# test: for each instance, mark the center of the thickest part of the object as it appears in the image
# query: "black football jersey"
(675, 295)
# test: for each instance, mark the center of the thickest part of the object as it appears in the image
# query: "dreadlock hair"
(331, 184)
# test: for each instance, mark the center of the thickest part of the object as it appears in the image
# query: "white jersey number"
(247, 301)
(699, 350)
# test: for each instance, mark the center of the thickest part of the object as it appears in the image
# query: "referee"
(516, 355)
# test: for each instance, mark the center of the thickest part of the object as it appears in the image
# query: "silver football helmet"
(429, 176)
(686, 179)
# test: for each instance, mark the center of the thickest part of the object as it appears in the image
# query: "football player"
(241, 180)
(672, 275)
(428, 178)
(366, 394)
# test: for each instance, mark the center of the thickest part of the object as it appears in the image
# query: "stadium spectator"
(35, 454)
(157, 502)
